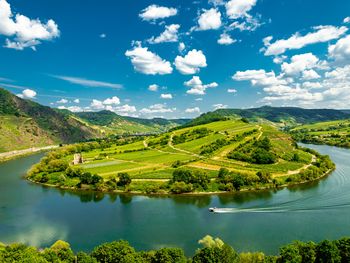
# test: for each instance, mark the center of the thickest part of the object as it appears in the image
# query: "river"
(264, 220)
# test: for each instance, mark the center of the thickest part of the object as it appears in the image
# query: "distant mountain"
(122, 124)
(24, 124)
(283, 115)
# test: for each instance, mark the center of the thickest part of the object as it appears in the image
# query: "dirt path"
(170, 143)
(12, 154)
(304, 167)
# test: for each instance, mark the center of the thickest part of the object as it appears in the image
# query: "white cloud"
(181, 47)
(153, 87)
(340, 51)
(23, 32)
(346, 20)
(62, 101)
(209, 19)
(76, 101)
(125, 109)
(146, 62)
(239, 8)
(231, 90)
(112, 101)
(89, 82)
(259, 77)
(166, 96)
(169, 35)
(197, 87)
(300, 63)
(226, 39)
(250, 24)
(154, 12)
(191, 63)
(220, 106)
(103, 35)
(310, 75)
(312, 85)
(193, 110)
(71, 108)
(297, 41)
(27, 94)
(157, 108)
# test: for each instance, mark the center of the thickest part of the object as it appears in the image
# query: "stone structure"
(78, 158)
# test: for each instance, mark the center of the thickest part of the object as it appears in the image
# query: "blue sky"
(176, 58)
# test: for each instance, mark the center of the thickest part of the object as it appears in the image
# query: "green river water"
(263, 220)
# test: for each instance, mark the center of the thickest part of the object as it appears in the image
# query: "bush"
(124, 179)
(181, 187)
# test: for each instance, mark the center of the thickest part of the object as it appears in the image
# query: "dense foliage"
(212, 251)
(258, 152)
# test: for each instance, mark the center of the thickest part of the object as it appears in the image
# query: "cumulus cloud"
(231, 90)
(62, 101)
(346, 20)
(154, 12)
(220, 106)
(153, 87)
(193, 110)
(169, 35)
(310, 75)
(76, 101)
(320, 34)
(209, 19)
(112, 101)
(197, 87)
(147, 62)
(340, 51)
(181, 47)
(23, 32)
(166, 96)
(88, 82)
(249, 24)
(300, 63)
(225, 39)
(191, 63)
(239, 8)
(27, 94)
(259, 77)
(71, 108)
(157, 108)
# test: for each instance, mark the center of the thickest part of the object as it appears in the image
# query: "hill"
(25, 124)
(220, 156)
(334, 133)
(282, 115)
(122, 124)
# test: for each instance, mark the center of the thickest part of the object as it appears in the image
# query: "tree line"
(212, 250)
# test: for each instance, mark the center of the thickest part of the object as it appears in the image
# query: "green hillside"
(25, 124)
(281, 115)
(335, 133)
(219, 156)
(121, 124)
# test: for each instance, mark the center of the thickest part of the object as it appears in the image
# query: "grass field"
(155, 162)
(335, 133)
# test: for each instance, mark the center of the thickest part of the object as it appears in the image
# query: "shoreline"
(8, 156)
(245, 190)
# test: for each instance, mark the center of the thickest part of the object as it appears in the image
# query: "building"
(78, 158)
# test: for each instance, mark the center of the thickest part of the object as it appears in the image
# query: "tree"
(290, 254)
(327, 252)
(124, 179)
(344, 248)
(169, 255)
(117, 251)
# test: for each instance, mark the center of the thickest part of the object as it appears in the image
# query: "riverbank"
(6, 156)
(200, 193)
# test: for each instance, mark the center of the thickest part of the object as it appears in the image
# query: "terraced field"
(154, 157)
(219, 156)
(334, 133)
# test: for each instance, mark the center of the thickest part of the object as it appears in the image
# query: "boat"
(222, 210)
(212, 209)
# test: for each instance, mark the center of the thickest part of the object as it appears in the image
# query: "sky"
(176, 58)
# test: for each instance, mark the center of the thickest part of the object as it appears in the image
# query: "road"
(12, 154)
